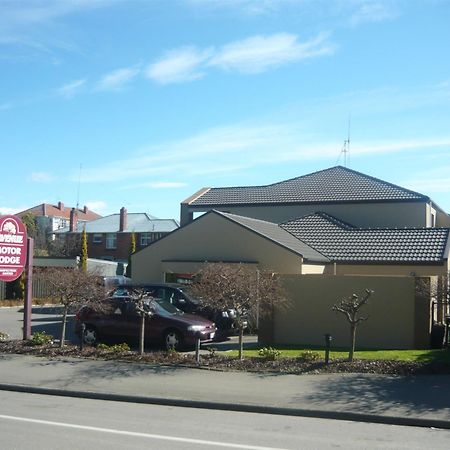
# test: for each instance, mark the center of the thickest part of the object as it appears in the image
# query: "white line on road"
(145, 435)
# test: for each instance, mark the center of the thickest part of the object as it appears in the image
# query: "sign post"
(28, 291)
(14, 249)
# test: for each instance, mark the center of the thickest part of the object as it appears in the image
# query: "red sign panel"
(13, 248)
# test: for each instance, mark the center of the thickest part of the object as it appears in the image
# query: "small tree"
(84, 251)
(72, 288)
(130, 253)
(141, 300)
(350, 308)
(239, 288)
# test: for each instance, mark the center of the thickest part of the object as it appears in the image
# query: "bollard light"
(328, 339)
(83, 329)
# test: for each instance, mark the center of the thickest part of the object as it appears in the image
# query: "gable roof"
(276, 234)
(136, 223)
(334, 185)
(340, 241)
(61, 211)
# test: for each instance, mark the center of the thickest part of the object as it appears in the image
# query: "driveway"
(48, 319)
(43, 318)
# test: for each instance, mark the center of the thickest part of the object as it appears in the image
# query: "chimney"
(123, 219)
(85, 209)
(60, 206)
(73, 220)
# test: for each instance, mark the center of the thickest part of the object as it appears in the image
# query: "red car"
(118, 320)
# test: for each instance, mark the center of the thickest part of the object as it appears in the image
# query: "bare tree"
(142, 302)
(72, 288)
(239, 288)
(350, 308)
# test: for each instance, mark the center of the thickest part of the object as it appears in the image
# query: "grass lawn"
(440, 355)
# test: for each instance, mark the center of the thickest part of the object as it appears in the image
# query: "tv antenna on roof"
(78, 189)
(346, 147)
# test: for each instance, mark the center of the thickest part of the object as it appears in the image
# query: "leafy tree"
(72, 288)
(84, 251)
(130, 252)
(240, 288)
(350, 308)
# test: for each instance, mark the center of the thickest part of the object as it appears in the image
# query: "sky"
(111, 103)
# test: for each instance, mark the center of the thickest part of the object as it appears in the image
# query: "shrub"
(41, 338)
(116, 348)
(3, 336)
(269, 353)
(309, 356)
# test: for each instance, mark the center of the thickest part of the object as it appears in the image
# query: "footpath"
(414, 400)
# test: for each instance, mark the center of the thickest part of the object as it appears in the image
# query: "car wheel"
(173, 340)
(90, 335)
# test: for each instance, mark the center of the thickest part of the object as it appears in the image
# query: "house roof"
(48, 210)
(340, 241)
(136, 223)
(276, 234)
(336, 184)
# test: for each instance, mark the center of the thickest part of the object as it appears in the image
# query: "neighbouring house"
(346, 194)
(328, 234)
(50, 218)
(109, 237)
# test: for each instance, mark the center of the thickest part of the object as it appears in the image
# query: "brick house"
(109, 237)
(50, 218)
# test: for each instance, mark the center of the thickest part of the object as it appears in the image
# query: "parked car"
(177, 295)
(117, 319)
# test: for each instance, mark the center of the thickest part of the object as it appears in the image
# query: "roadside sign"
(13, 248)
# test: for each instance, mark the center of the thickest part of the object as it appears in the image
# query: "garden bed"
(218, 361)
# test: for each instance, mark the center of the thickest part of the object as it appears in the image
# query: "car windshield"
(195, 301)
(164, 308)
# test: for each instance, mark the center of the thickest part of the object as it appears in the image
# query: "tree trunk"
(63, 327)
(241, 342)
(142, 337)
(352, 341)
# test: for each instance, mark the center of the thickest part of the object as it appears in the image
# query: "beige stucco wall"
(389, 269)
(210, 238)
(400, 214)
(442, 219)
(392, 312)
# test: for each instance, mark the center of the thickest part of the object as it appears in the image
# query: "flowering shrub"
(309, 356)
(269, 353)
(41, 338)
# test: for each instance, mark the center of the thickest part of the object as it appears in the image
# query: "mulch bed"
(226, 363)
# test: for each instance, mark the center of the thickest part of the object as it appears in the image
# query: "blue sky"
(142, 103)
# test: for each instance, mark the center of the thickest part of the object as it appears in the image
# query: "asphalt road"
(30, 421)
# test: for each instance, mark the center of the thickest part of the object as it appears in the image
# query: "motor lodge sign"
(13, 248)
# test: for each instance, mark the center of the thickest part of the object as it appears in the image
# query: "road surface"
(30, 421)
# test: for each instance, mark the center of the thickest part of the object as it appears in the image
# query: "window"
(97, 238)
(111, 241)
(146, 238)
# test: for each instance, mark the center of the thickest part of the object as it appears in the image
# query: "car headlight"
(196, 328)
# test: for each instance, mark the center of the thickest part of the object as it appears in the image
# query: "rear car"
(117, 319)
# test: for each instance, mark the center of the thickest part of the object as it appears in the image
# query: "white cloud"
(71, 89)
(96, 206)
(178, 66)
(252, 55)
(41, 177)
(259, 53)
(117, 79)
(372, 11)
(6, 210)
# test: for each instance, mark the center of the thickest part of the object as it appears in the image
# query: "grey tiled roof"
(337, 184)
(275, 233)
(342, 242)
(136, 222)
